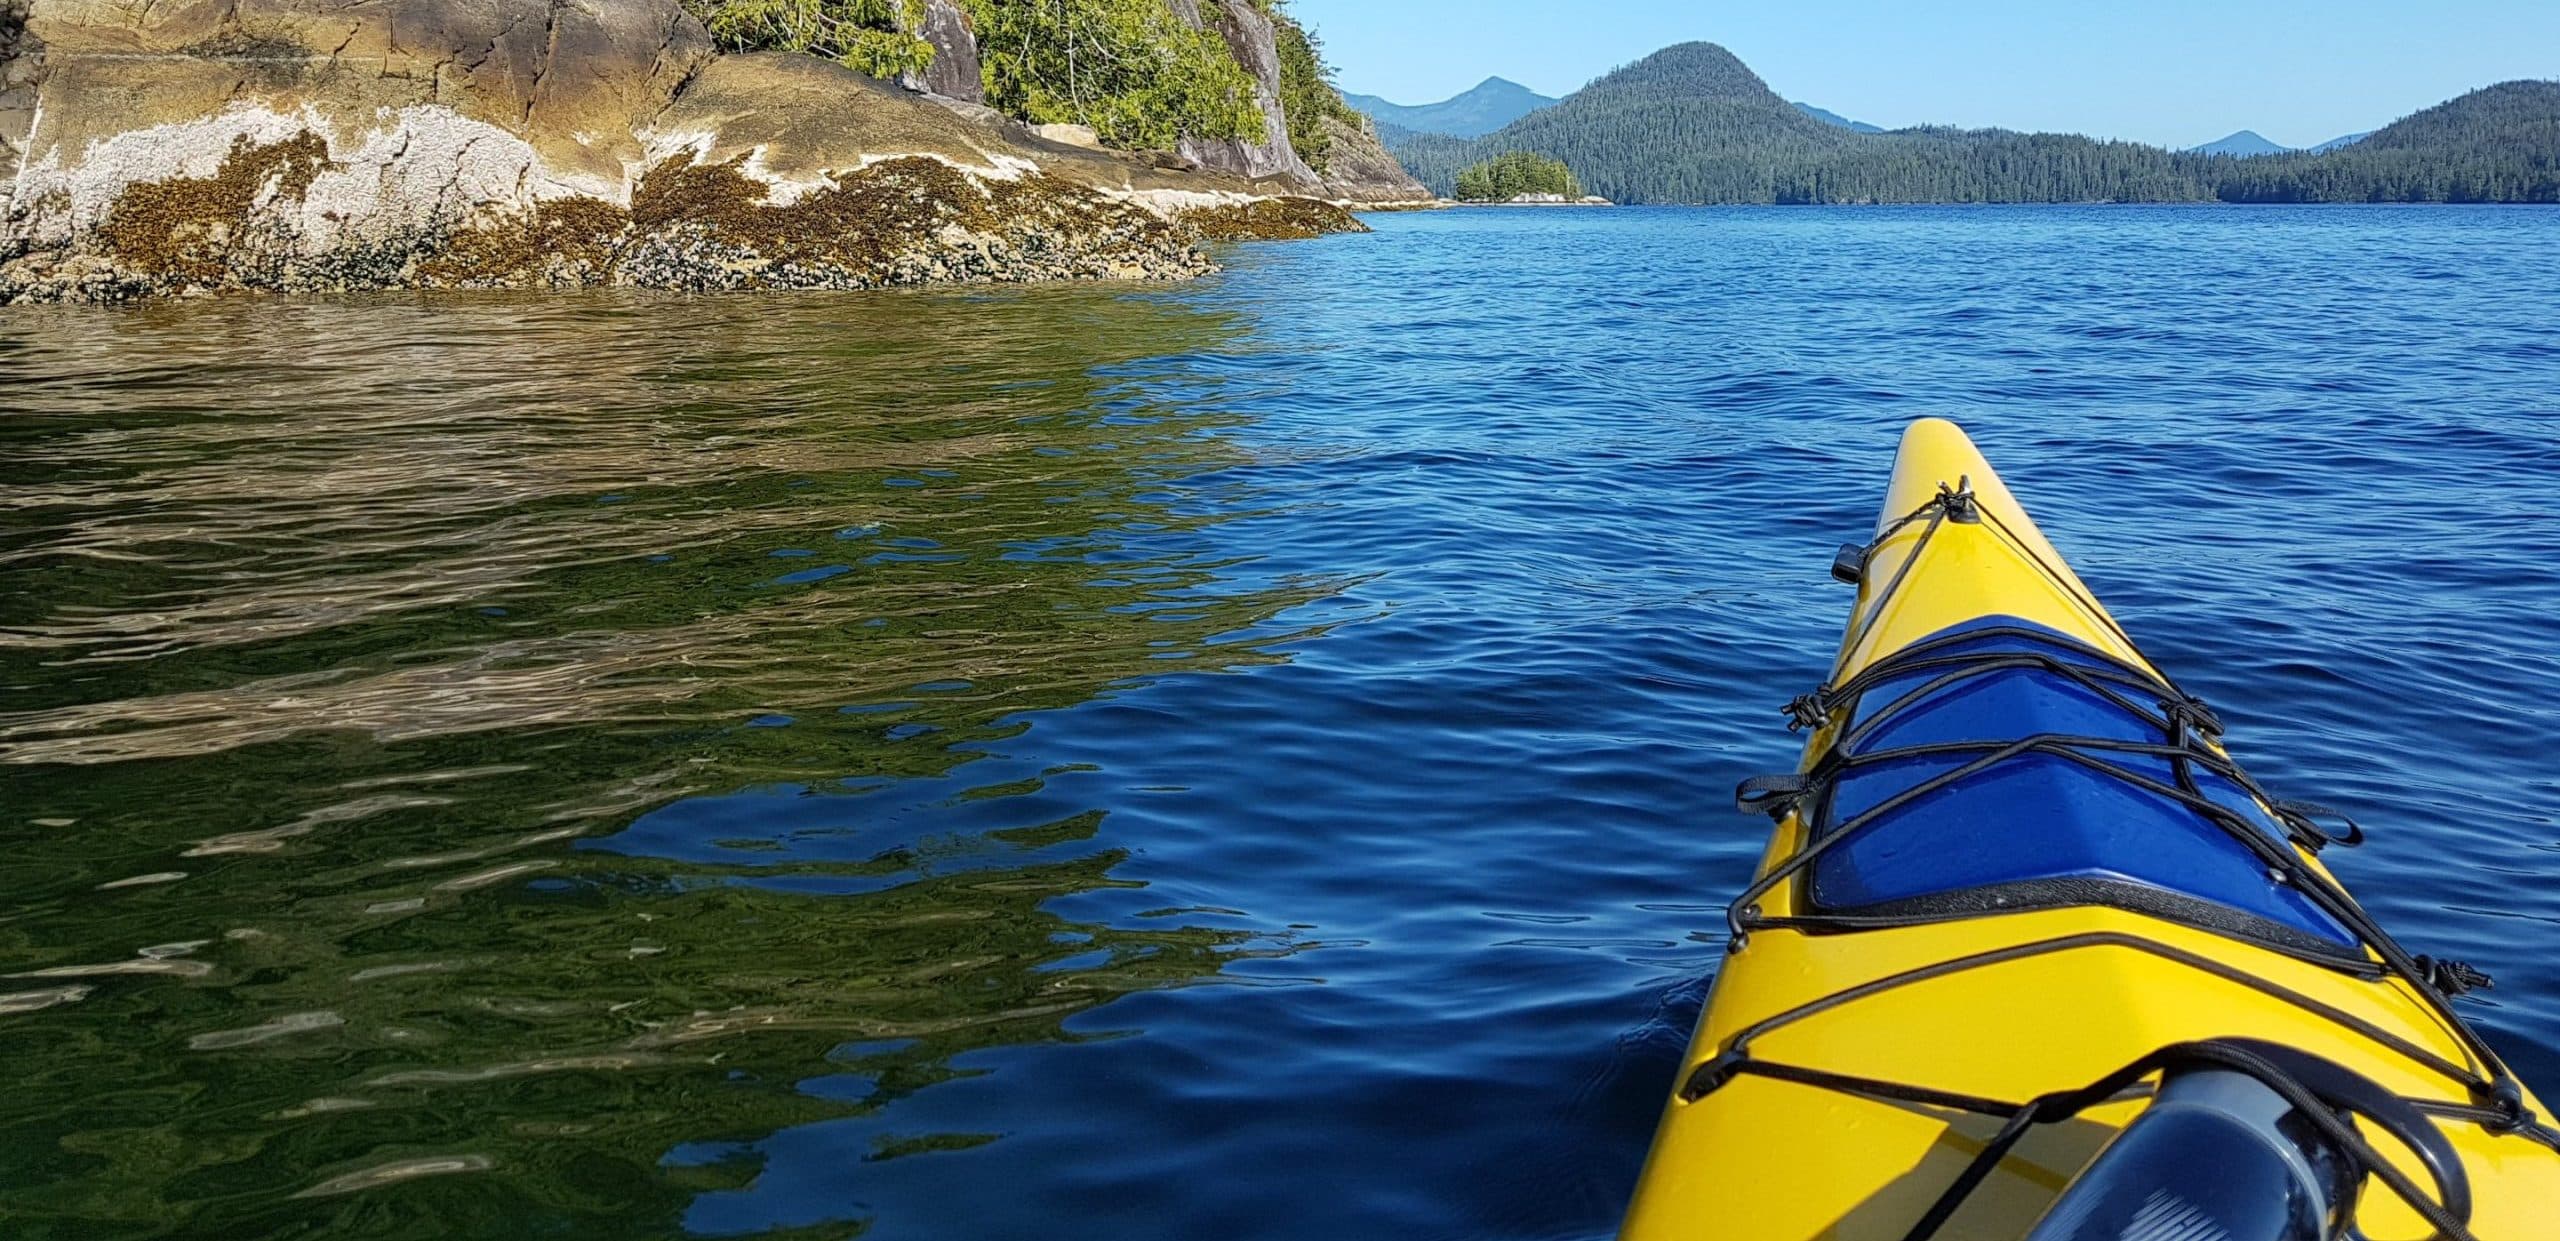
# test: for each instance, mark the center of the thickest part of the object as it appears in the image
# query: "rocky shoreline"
(690, 227)
(299, 146)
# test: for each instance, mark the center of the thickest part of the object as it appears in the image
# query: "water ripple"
(1239, 761)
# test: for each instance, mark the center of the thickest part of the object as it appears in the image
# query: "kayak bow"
(2029, 956)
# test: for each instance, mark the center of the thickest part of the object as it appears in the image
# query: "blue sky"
(2175, 72)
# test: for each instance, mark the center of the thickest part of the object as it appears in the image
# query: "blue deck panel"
(2036, 816)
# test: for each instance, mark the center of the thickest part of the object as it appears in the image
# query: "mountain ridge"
(2249, 144)
(1480, 109)
(1693, 124)
(2242, 144)
(1829, 117)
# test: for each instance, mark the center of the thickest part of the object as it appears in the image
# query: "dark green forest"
(1692, 124)
(2497, 144)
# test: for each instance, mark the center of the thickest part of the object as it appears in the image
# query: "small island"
(1523, 179)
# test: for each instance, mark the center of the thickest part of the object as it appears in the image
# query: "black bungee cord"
(2192, 732)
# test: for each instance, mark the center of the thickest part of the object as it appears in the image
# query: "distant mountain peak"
(2241, 145)
(1481, 109)
(1701, 51)
(1690, 71)
(1835, 120)
(1699, 55)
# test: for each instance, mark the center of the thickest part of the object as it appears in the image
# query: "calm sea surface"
(1242, 760)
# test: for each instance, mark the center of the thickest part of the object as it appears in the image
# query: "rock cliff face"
(1255, 45)
(424, 103)
(1359, 170)
(337, 144)
(954, 71)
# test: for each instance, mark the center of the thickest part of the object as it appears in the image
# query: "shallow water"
(1248, 759)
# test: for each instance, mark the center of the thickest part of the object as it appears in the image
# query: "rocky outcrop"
(1358, 170)
(1251, 38)
(954, 73)
(350, 144)
(425, 108)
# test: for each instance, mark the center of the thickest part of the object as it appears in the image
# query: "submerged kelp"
(462, 807)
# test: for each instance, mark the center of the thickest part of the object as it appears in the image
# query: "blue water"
(1249, 759)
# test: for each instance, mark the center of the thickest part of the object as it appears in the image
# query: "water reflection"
(486, 760)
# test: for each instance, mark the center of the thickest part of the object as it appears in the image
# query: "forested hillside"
(1692, 124)
(2498, 144)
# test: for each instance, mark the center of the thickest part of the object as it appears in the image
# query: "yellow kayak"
(2030, 957)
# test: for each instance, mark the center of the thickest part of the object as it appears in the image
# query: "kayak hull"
(2063, 996)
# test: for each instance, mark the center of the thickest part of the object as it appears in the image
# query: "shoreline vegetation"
(1692, 125)
(202, 147)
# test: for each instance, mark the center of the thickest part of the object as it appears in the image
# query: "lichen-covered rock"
(572, 83)
(1071, 134)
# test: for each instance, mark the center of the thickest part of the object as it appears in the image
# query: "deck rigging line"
(2190, 734)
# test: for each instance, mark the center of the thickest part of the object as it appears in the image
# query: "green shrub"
(864, 35)
(1140, 76)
